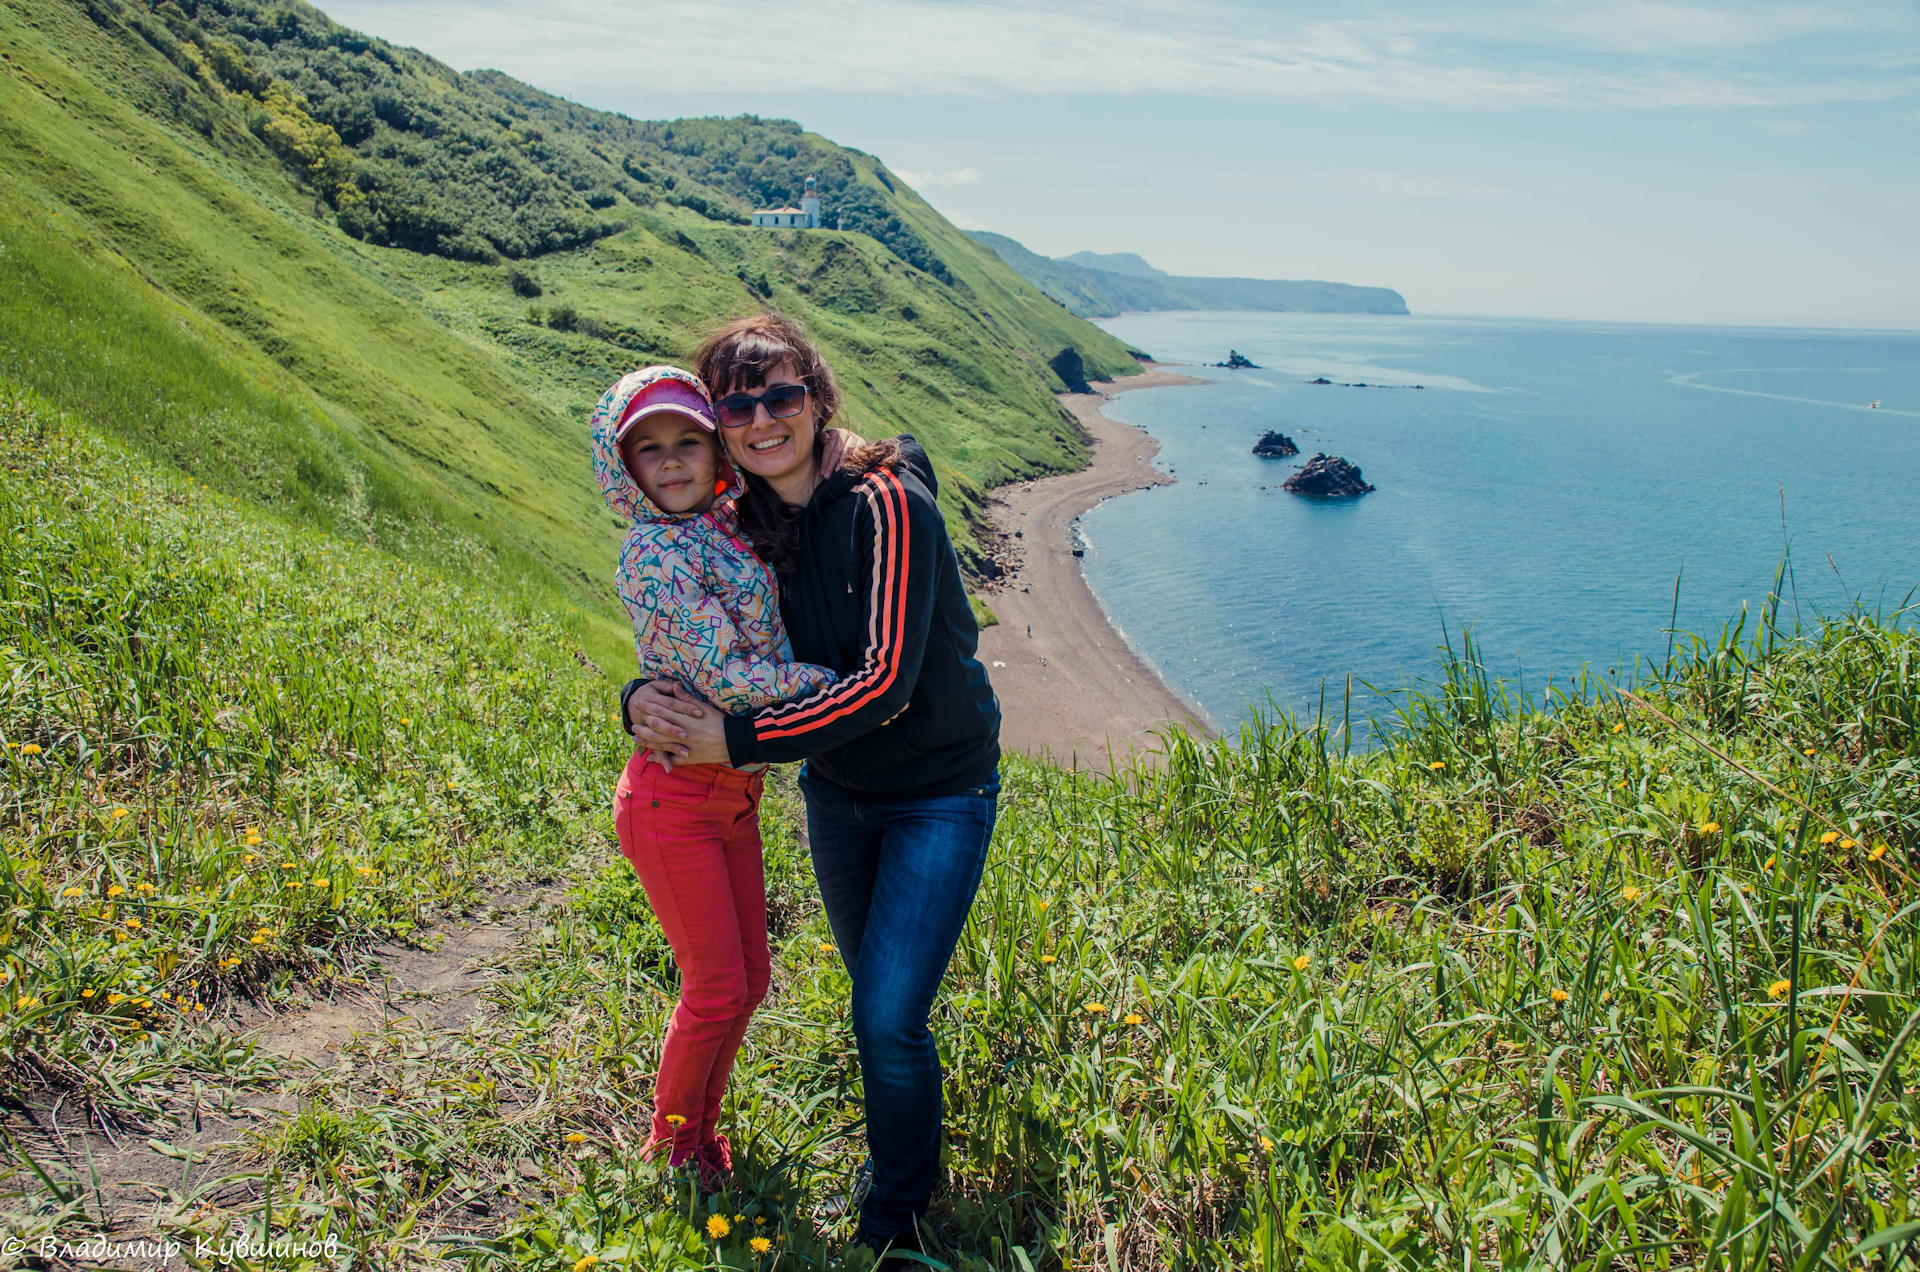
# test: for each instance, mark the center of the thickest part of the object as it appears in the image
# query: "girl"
(705, 616)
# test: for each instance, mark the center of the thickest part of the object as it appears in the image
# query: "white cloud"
(1609, 53)
(928, 180)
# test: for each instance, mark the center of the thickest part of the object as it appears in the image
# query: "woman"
(902, 754)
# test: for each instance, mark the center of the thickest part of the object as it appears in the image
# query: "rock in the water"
(1275, 445)
(1238, 361)
(1320, 379)
(1327, 477)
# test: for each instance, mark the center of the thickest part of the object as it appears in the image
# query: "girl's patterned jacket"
(704, 607)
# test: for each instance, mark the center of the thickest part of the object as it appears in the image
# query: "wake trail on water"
(1691, 381)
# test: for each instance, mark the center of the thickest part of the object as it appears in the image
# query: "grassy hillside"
(1626, 983)
(345, 280)
(1096, 286)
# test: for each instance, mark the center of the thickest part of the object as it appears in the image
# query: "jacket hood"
(617, 486)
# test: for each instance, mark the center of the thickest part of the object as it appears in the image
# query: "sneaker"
(714, 1160)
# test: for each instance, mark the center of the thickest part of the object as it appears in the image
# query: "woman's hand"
(678, 726)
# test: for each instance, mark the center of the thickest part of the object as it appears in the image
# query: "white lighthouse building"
(804, 217)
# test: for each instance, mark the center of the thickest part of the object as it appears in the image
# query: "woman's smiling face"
(777, 450)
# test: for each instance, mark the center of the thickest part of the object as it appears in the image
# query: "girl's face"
(777, 450)
(674, 461)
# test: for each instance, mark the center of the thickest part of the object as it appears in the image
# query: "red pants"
(693, 835)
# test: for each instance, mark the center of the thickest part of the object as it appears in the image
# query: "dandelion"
(26, 1002)
(319, 882)
(759, 1245)
(118, 813)
(1046, 958)
(1266, 1145)
(115, 890)
(826, 947)
(249, 858)
(86, 993)
(1559, 995)
(1709, 828)
(1045, 904)
(759, 1220)
(133, 925)
(199, 1006)
(584, 1262)
(1848, 843)
(675, 1120)
(718, 1227)
(1831, 837)
(576, 1138)
(1769, 865)
(406, 719)
(1259, 888)
(1879, 851)
(253, 841)
(31, 748)
(257, 939)
(1810, 751)
(114, 1000)
(288, 865)
(1619, 728)
(363, 870)
(1437, 765)
(71, 892)
(452, 785)
(1096, 1009)
(1778, 989)
(1630, 893)
(1302, 963)
(1606, 995)
(738, 1218)
(1134, 1018)
(143, 887)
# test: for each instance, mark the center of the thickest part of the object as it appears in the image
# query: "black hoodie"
(877, 596)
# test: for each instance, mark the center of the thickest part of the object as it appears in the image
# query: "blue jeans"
(897, 879)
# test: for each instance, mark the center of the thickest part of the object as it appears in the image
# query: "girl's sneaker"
(715, 1162)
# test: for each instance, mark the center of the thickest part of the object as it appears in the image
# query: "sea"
(1577, 496)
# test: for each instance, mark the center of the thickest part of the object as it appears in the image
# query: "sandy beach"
(1069, 686)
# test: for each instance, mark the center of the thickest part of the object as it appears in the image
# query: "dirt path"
(1069, 685)
(127, 1177)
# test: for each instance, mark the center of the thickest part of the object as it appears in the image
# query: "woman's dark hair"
(741, 355)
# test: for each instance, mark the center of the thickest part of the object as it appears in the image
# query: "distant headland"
(1103, 286)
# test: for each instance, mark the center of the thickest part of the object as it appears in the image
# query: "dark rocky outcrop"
(1238, 361)
(1275, 445)
(1072, 371)
(1320, 380)
(1327, 477)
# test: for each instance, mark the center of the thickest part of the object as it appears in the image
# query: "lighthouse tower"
(810, 204)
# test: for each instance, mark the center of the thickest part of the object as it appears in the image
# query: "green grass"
(1623, 980)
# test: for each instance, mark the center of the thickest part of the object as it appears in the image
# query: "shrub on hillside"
(524, 282)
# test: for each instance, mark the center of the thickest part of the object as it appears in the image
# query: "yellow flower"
(1778, 989)
(31, 748)
(1606, 995)
(1831, 837)
(718, 1227)
(1046, 958)
(199, 1006)
(585, 1261)
(86, 993)
(249, 858)
(71, 892)
(1437, 765)
(826, 947)
(674, 1119)
(1259, 888)
(1809, 750)
(24, 1003)
(1769, 865)
(739, 1218)
(759, 1220)
(288, 865)
(118, 813)
(576, 1138)
(1848, 843)
(1879, 851)
(318, 882)
(1133, 1018)
(1096, 1009)
(406, 719)
(143, 887)
(115, 890)
(257, 939)
(1709, 828)
(1630, 893)
(253, 841)
(1266, 1145)
(1559, 995)
(1302, 963)
(452, 785)
(133, 924)
(759, 1245)
(114, 1000)
(1045, 904)
(1619, 728)
(363, 870)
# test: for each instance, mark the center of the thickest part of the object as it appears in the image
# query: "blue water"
(1545, 488)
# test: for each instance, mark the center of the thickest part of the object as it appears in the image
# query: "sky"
(1622, 160)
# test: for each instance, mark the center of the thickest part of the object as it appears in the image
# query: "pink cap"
(667, 389)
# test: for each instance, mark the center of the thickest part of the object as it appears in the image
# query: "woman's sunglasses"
(783, 402)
